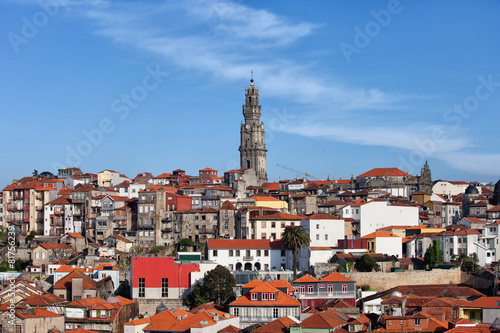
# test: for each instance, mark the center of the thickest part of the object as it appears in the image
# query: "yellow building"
(271, 202)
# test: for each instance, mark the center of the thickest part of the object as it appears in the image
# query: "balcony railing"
(247, 258)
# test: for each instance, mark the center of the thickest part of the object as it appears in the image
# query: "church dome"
(160, 308)
(471, 189)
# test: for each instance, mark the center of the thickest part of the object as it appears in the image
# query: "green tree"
(433, 255)
(366, 264)
(35, 173)
(187, 242)
(195, 298)
(470, 263)
(32, 235)
(47, 174)
(294, 238)
(218, 286)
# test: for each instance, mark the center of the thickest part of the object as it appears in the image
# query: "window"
(258, 253)
(272, 296)
(237, 253)
(164, 287)
(417, 322)
(273, 224)
(266, 253)
(302, 290)
(266, 267)
(231, 267)
(472, 315)
(317, 236)
(263, 224)
(214, 253)
(231, 253)
(344, 288)
(326, 237)
(248, 253)
(142, 287)
(236, 312)
(283, 253)
(275, 313)
(264, 296)
(263, 235)
(283, 224)
(254, 296)
(317, 226)
(310, 289)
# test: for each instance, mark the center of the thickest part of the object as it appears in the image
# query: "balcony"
(247, 258)
(27, 220)
(166, 230)
(59, 212)
(26, 207)
(39, 207)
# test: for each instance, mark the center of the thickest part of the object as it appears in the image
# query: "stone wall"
(382, 280)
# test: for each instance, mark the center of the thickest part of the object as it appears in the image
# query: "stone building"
(227, 220)
(195, 224)
(253, 147)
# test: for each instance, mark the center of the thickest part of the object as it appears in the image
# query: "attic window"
(254, 296)
(264, 296)
(272, 296)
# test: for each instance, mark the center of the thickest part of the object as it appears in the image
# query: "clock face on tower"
(247, 126)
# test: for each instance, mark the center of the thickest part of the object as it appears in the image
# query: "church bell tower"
(253, 146)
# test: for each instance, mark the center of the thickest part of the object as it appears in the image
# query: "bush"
(365, 287)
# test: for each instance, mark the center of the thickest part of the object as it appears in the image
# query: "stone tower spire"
(253, 146)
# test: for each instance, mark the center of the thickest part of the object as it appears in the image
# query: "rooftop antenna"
(251, 77)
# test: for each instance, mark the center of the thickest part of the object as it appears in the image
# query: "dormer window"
(264, 296)
(253, 296)
(272, 296)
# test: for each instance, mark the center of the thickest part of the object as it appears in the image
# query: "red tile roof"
(228, 206)
(382, 172)
(36, 313)
(53, 246)
(334, 277)
(74, 235)
(329, 319)
(278, 325)
(377, 234)
(63, 200)
(305, 278)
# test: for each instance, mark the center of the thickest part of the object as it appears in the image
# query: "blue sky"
(345, 86)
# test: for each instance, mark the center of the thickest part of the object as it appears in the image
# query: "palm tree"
(294, 238)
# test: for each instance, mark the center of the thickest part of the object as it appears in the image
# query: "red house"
(177, 203)
(155, 279)
(208, 176)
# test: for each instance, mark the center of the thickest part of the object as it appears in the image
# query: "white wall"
(378, 214)
(392, 246)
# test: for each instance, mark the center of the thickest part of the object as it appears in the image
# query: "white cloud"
(486, 164)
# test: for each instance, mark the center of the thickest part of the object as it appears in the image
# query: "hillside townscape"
(230, 251)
